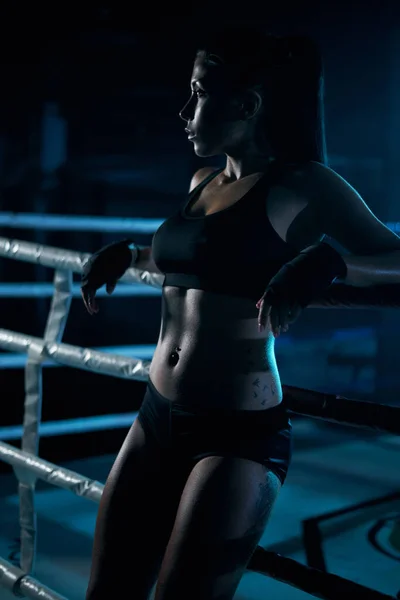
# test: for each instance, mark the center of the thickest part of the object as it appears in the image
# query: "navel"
(173, 358)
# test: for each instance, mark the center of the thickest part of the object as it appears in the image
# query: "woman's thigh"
(222, 515)
(135, 518)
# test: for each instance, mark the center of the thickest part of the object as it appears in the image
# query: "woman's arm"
(339, 212)
(145, 261)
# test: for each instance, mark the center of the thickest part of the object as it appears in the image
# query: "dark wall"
(118, 79)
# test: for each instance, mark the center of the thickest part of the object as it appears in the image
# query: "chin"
(203, 154)
(203, 151)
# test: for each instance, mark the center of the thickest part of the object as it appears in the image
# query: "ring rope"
(28, 467)
(313, 581)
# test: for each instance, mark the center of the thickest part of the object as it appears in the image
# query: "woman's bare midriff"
(223, 360)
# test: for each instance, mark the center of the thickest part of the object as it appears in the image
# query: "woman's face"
(211, 113)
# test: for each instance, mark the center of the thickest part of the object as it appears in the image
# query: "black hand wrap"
(306, 276)
(107, 265)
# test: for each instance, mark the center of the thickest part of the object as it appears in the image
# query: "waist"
(210, 380)
(217, 350)
(200, 416)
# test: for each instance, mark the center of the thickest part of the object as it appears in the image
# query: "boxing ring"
(29, 467)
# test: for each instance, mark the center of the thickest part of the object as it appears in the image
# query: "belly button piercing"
(174, 356)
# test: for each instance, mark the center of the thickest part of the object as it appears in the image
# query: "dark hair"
(290, 71)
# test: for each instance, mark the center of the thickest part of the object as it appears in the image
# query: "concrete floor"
(332, 468)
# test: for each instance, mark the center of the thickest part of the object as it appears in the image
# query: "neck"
(248, 158)
(237, 168)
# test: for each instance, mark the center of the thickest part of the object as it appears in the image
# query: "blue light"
(84, 223)
(73, 426)
(46, 290)
(100, 224)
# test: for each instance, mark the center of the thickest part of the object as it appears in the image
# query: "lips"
(190, 133)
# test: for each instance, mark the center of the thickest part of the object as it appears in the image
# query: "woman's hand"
(297, 283)
(104, 267)
(280, 316)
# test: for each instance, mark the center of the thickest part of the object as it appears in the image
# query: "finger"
(258, 305)
(110, 287)
(263, 315)
(85, 298)
(90, 301)
(93, 303)
(283, 314)
(274, 318)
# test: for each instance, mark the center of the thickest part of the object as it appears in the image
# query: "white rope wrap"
(27, 466)
(24, 586)
(60, 258)
(53, 474)
(77, 357)
(54, 330)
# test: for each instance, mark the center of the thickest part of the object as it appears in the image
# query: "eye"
(199, 93)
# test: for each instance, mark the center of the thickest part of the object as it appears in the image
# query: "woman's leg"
(135, 519)
(222, 515)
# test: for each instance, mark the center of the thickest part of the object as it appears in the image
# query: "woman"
(193, 486)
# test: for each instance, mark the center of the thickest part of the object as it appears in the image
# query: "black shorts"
(191, 434)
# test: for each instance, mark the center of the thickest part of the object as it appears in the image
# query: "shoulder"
(289, 207)
(200, 175)
(341, 213)
(316, 181)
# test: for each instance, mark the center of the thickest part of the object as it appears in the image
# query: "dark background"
(116, 77)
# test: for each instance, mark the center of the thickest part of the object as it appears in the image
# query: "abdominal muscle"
(221, 360)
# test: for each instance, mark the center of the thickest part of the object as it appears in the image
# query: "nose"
(186, 114)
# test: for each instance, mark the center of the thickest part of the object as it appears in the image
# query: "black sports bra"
(234, 251)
